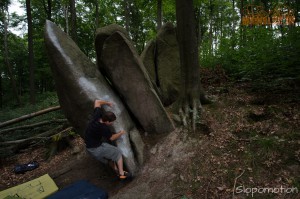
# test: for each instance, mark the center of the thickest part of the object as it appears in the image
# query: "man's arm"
(116, 135)
(99, 103)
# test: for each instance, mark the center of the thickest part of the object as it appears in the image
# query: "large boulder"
(120, 62)
(101, 35)
(161, 58)
(79, 83)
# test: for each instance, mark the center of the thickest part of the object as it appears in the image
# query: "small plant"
(267, 144)
(59, 142)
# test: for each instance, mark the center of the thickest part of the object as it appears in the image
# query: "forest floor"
(247, 146)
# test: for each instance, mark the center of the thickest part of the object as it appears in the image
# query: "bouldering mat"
(80, 190)
(35, 189)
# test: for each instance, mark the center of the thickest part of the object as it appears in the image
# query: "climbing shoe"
(125, 176)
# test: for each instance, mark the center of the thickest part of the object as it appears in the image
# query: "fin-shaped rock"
(125, 70)
(161, 58)
(79, 83)
(102, 34)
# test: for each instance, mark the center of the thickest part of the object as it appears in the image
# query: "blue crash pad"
(80, 190)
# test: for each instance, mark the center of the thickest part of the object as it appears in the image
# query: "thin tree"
(211, 8)
(127, 7)
(97, 13)
(73, 23)
(66, 14)
(159, 14)
(48, 8)
(1, 92)
(190, 71)
(4, 8)
(233, 25)
(241, 23)
(30, 52)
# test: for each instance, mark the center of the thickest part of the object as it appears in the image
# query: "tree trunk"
(66, 13)
(242, 39)
(30, 126)
(210, 27)
(1, 92)
(233, 26)
(48, 8)
(127, 14)
(73, 25)
(31, 115)
(6, 57)
(30, 52)
(297, 14)
(159, 14)
(97, 20)
(46, 135)
(198, 25)
(187, 39)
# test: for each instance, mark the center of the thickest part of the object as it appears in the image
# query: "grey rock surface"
(161, 58)
(79, 83)
(125, 70)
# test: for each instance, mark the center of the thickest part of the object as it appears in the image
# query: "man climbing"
(98, 136)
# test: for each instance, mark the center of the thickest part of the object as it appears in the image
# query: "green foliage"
(48, 99)
(245, 52)
(260, 54)
(169, 9)
(248, 52)
(58, 143)
(44, 101)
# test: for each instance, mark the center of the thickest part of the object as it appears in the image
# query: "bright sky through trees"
(16, 7)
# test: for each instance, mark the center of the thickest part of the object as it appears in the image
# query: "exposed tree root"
(196, 107)
(190, 114)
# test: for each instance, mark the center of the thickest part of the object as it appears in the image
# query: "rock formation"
(79, 83)
(119, 61)
(161, 59)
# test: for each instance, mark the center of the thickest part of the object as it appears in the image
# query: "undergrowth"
(254, 143)
(44, 101)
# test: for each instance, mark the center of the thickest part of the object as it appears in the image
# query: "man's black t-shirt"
(96, 131)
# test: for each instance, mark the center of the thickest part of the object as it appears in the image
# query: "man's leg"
(113, 165)
(115, 155)
(119, 169)
(120, 166)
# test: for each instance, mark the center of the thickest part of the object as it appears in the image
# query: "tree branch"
(31, 115)
(39, 136)
(33, 125)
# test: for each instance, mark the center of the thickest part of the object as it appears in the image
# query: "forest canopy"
(248, 39)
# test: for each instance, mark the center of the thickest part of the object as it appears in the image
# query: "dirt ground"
(248, 138)
(65, 168)
(70, 165)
